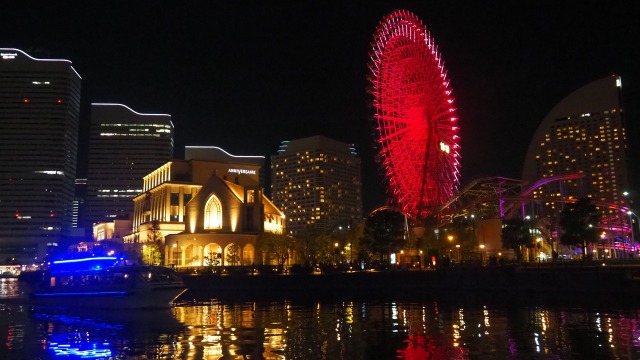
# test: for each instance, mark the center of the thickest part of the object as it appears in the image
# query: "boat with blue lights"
(107, 282)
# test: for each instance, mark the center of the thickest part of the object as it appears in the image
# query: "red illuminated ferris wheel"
(415, 117)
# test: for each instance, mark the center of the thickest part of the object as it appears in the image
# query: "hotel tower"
(39, 124)
(584, 134)
(316, 182)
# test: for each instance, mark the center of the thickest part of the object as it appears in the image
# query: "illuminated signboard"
(8, 56)
(242, 171)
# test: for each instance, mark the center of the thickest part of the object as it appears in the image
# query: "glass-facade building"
(39, 126)
(124, 147)
(316, 182)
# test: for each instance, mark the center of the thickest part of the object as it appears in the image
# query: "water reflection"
(95, 334)
(400, 330)
(9, 288)
(214, 329)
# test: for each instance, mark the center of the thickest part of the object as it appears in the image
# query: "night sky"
(245, 75)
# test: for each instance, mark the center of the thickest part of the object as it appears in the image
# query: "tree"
(276, 247)
(579, 222)
(151, 253)
(153, 249)
(233, 254)
(155, 234)
(308, 245)
(211, 261)
(516, 233)
(383, 233)
(321, 249)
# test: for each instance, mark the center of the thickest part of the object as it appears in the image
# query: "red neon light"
(413, 114)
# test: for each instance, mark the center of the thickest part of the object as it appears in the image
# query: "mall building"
(208, 206)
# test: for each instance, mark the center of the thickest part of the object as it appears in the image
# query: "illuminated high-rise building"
(316, 182)
(583, 134)
(124, 147)
(39, 125)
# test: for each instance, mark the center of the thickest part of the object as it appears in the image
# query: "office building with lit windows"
(124, 146)
(199, 208)
(583, 134)
(39, 125)
(316, 182)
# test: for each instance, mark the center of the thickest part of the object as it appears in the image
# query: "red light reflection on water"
(420, 347)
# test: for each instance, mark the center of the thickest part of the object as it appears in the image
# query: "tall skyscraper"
(124, 146)
(316, 182)
(583, 134)
(39, 125)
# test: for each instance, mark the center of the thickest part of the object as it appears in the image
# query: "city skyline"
(246, 76)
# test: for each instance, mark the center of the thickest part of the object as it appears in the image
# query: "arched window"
(213, 213)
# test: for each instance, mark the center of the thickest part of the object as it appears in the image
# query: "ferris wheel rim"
(438, 168)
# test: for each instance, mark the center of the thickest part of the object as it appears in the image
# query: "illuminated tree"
(233, 254)
(152, 254)
(212, 261)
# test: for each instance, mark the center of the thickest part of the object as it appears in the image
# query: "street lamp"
(633, 238)
(481, 254)
(450, 238)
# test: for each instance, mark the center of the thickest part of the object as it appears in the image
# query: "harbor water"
(207, 327)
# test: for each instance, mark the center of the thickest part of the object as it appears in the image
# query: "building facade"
(316, 182)
(219, 155)
(124, 146)
(584, 134)
(202, 209)
(39, 126)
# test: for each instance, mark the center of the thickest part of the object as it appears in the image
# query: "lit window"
(213, 213)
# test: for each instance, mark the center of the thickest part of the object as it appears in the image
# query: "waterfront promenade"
(568, 281)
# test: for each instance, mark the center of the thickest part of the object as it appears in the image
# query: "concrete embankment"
(569, 282)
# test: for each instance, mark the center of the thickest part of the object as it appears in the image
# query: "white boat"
(107, 282)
